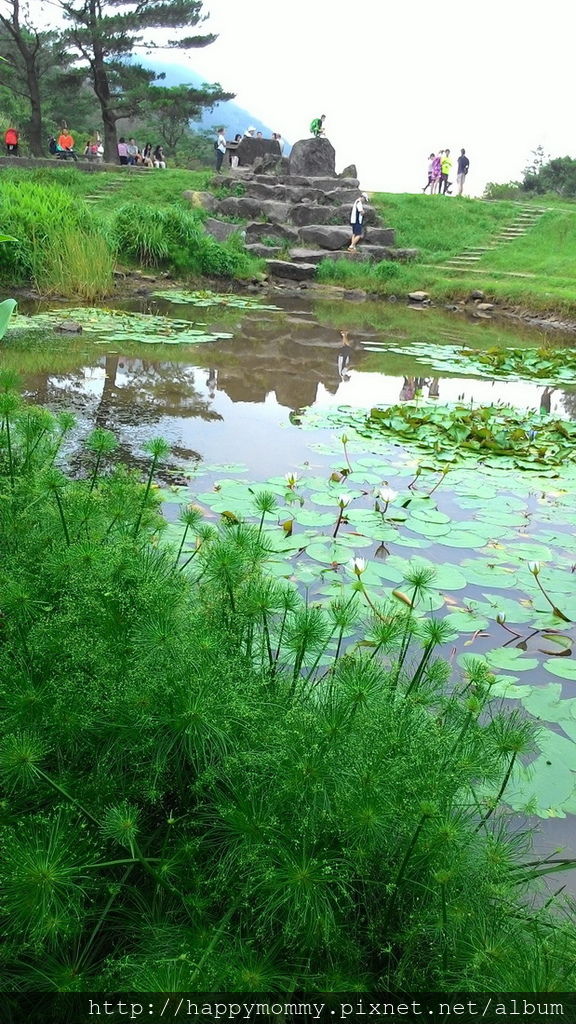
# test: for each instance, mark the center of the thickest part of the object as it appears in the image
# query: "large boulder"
(250, 150)
(319, 236)
(342, 195)
(313, 158)
(220, 229)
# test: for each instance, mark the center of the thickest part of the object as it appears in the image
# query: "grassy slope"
(442, 228)
(438, 226)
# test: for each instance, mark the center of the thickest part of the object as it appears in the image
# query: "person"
(462, 171)
(436, 172)
(220, 145)
(158, 158)
(250, 132)
(11, 139)
(430, 181)
(234, 158)
(280, 142)
(147, 155)
(344, 356)
(259, 135)
(133, 152)
(445, 185)
(66, 145)
(317, 126)
(123, 151)
(356, 220)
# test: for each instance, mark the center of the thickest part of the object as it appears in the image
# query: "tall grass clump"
(194, 798)
(60, 248)
(158, 236)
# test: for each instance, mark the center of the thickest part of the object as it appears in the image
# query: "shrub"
(58, 241)
(509, 190)
(191, 803)
(169, 236)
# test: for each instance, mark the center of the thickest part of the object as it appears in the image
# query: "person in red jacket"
(11, 138)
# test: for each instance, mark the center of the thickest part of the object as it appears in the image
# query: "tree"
(173, 108)
(30, 55)
(105, 33)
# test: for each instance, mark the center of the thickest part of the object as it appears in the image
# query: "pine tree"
(104, 33)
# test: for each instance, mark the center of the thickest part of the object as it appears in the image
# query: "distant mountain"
(230, 114)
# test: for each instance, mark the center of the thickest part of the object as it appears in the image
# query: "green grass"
(442, 228)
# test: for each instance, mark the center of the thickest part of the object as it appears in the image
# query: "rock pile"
(299, 218)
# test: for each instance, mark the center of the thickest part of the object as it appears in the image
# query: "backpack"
(52, 146)
(215, 146)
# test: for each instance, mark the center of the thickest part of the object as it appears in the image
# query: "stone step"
(264, 251)
(292, 271)
(364, 253)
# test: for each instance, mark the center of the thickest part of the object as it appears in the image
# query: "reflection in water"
(247, 385)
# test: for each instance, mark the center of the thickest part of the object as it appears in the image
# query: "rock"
(293, 271)
(485, 307)
(342, 195)
(220, 229)
(69, 327)
(325, 236)
(313, 158)
(280, 232)
(379, 236)
(302, 215)
(349, 172)
(267, 164)
(202, 200)
(250, 150)
(404, 255)
(476, 294)
(418, 296)
(264, 251)
(240, 206)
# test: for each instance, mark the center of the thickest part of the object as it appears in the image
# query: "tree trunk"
(35, 133)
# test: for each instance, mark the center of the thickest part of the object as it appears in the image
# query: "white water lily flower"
(534, 568)
(343, 500)
(357, 565)
(291, 479)
(387, 494)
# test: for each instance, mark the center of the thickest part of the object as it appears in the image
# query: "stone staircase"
(466, 260)
(105, 188)
(297, 221)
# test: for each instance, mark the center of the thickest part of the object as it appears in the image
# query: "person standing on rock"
(220, 149)
(445, 185)
(317, 126)
(357, 220)
(463, 165)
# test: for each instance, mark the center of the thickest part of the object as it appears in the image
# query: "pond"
(263, 396)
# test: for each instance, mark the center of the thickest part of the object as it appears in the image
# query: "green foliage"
(509, 190)
(60, 246)
(156, 236)
(557, 176)
(197, 797)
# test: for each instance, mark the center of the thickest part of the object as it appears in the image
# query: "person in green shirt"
(317, 126)
(446, 164)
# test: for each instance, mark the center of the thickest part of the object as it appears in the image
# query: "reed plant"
(209, 784)
(60, 246)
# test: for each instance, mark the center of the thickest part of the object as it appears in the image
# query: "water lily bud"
(344, 439)
(387, 494)
(501, 618)
(357, 565)
(534, 568)
(343, 500)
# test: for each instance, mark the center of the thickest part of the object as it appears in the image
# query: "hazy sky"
(398, 80)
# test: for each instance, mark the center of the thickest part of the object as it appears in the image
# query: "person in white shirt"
(220, 148)
(357, 220)
(250, 132)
